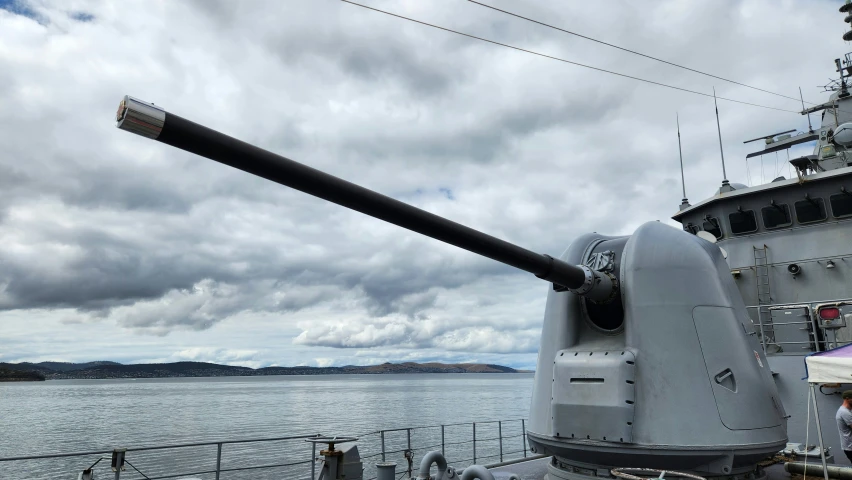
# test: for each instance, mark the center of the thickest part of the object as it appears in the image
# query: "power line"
(566, 61)
(638, 53)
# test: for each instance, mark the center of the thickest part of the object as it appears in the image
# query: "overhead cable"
(639, 53)
(710, 95)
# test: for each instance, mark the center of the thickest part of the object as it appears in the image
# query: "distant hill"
(55, 366)
(7, 375)
(104, 369)
(67, 366)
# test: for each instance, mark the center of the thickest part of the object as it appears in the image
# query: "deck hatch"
(737, 373)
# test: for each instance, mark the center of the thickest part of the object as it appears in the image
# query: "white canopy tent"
(832, 366)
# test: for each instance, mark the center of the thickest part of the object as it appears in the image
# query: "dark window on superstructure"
(841, 205)
(711, 225)
(742, 221)
(776, 216)
(693, 229)
(810, 210)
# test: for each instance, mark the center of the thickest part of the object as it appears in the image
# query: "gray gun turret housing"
(677, 380)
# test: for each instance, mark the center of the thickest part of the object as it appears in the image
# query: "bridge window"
(689, 227)
(841, 205)
(810, 210)
(742, 221)
(776, 216)
(711, 225)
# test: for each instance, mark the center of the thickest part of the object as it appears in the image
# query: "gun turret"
(621, 369)
(151, 121)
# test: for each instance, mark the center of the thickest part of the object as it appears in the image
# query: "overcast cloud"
(113, 247)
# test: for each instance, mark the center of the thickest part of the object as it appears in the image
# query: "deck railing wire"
(462, 444)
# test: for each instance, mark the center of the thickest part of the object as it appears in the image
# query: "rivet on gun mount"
(140, 117)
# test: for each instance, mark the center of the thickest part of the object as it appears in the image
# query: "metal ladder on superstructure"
(764, 297)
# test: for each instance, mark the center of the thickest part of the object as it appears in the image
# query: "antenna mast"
(726, 186)
(810, 128)
(843, 91)
(683, 203)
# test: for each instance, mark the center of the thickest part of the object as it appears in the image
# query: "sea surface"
(62, 416)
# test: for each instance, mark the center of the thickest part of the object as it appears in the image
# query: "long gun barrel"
(153, 122)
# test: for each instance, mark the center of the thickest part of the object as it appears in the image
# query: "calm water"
(84, 415)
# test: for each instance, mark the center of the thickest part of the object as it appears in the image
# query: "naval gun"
(648, 358)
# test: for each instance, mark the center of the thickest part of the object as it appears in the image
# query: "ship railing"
(489, 443)
(766, 329)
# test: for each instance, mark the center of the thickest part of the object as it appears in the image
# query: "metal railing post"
(524, 436)
(118, 459)
(474, 442)
(410, 453)
(500, 434)
(442, 442)
(383, 446)
(218, 459)
(313, 461)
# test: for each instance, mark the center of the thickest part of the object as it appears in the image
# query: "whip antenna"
(726, 186)
(684, 202)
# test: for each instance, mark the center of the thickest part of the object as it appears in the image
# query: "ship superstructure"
(789, 247)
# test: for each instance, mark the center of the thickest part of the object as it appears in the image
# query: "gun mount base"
(559, 470)
(589, 457)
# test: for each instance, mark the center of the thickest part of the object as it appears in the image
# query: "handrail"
(158, 447)
(798, 303)
(399, 440)
(484, 422)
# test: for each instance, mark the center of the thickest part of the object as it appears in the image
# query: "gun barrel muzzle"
(141, 118)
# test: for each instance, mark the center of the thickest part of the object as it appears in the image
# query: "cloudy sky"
(113, 247)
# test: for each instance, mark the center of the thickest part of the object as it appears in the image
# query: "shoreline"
(299, 376)
(304, 375)
(103, 370)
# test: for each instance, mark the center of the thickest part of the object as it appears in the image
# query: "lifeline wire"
(639, 53)
(789, 174)
(775, 170)
(137, 470)
(564, 60)
(748, 172)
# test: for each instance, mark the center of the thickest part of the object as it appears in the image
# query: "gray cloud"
(100, 228)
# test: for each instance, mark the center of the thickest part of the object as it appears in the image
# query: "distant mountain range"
(104, 369)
